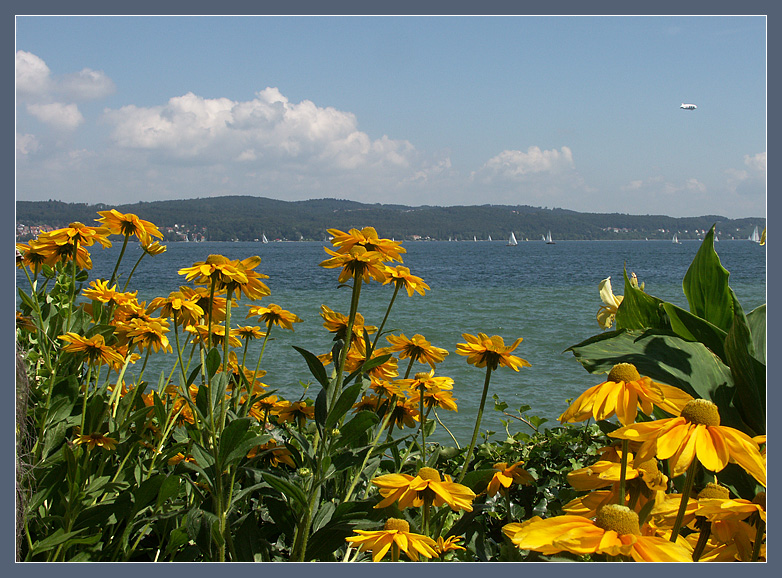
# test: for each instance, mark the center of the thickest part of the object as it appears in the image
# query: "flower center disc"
(701, 411)
(421, 376)
(714, 491)
(397, 524)
(429, 474)
(620, 519)
(623, 372)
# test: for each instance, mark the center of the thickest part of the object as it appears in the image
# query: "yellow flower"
(33, 255)
(427, 485)
(298, 410)
(506, 475)
(78, 233)
(367, 239)
(96, 439)
(607, 312)
(358, 263)
(394, 536)
(231, 275)
(448, 544)
(275, 315)
(401, 277)
(55, 250)
(273, 454)
(614, 532)
(403, 414)
(623, 393)
(129, 224)
(94, 348)
(250, 332)
(187, 309)
(483, 351)
(357, 357)
(417, 347)
(695, 433)
(436, 398)
(100, 291)
(218, 335)
(266, 406)
(150, 334)
(337, 323)
(428, 381)
(154, 249)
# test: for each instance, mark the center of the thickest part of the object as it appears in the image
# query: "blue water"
(547, 294)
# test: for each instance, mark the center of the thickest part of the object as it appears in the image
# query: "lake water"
(547, 294)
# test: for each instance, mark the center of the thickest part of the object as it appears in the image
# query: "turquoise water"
(547, 294)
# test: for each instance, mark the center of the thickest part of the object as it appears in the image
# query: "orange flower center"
(623, 372)
(397, 524)
(421, 376)
(429, 474)
(649, 466)
(701, 411)
(620, 519)
(714, 491)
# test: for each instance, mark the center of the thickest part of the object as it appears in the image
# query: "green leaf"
(662, 356)
(639, 310)
(693, 328)
(321, 407)
(168, 489)
(346, 400)
(316, 367)
(59, 536)
(706, 286)
(230, 437)
(212, 362)
(756, 319)
(749, 374)
(291, 492)
(355, 428)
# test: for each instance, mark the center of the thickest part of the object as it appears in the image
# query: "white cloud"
(26, 144)
(32, 74)
(516, 165)
(58, 115)
(265, 132)
(756, 162)
(749, 178)
(86, 85)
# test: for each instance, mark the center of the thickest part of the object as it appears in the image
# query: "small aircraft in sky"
(688, 106)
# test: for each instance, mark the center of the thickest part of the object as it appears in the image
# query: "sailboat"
(263, 238)
(474, 238)
(489, 238)
(512, 242)
(549, 241)
(755, 237)
(675, 239)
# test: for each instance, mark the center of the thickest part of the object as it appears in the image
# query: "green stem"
(127, 282)
(703, 538)
(623, 473)
(385, 318)
(119, 260)
(343, 354)
(686, 491)
(761, 528)
(477, 424)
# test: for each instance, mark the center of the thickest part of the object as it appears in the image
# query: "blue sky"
(580, 113)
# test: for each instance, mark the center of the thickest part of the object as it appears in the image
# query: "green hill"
(248, 218)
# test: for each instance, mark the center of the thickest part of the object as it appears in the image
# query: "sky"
(579, 113)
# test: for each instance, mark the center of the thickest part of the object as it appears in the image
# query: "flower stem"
(119, 260)
(688, 482)
(477, 424)
(623, 473)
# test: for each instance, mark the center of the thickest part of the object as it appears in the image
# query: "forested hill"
(247, 218)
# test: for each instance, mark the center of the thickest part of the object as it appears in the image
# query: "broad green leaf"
(242, 449)
(639, 310)
(706, 286)
(355, 428)
(756, 319)
(291, 492)
(693, 328)
(346, 400)
(212, 362)
(231, 436)
(321, 407)
(749, 374)
(59, 536)
(168, 489)
(316, 367)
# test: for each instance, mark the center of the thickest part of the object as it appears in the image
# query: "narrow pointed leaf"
(706, 286)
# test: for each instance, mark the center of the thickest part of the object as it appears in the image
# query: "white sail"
(489, 237)
(512, 242)
(474, 238)
(548, 239)
(263, 238)
(675, 238)
(755, 237)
